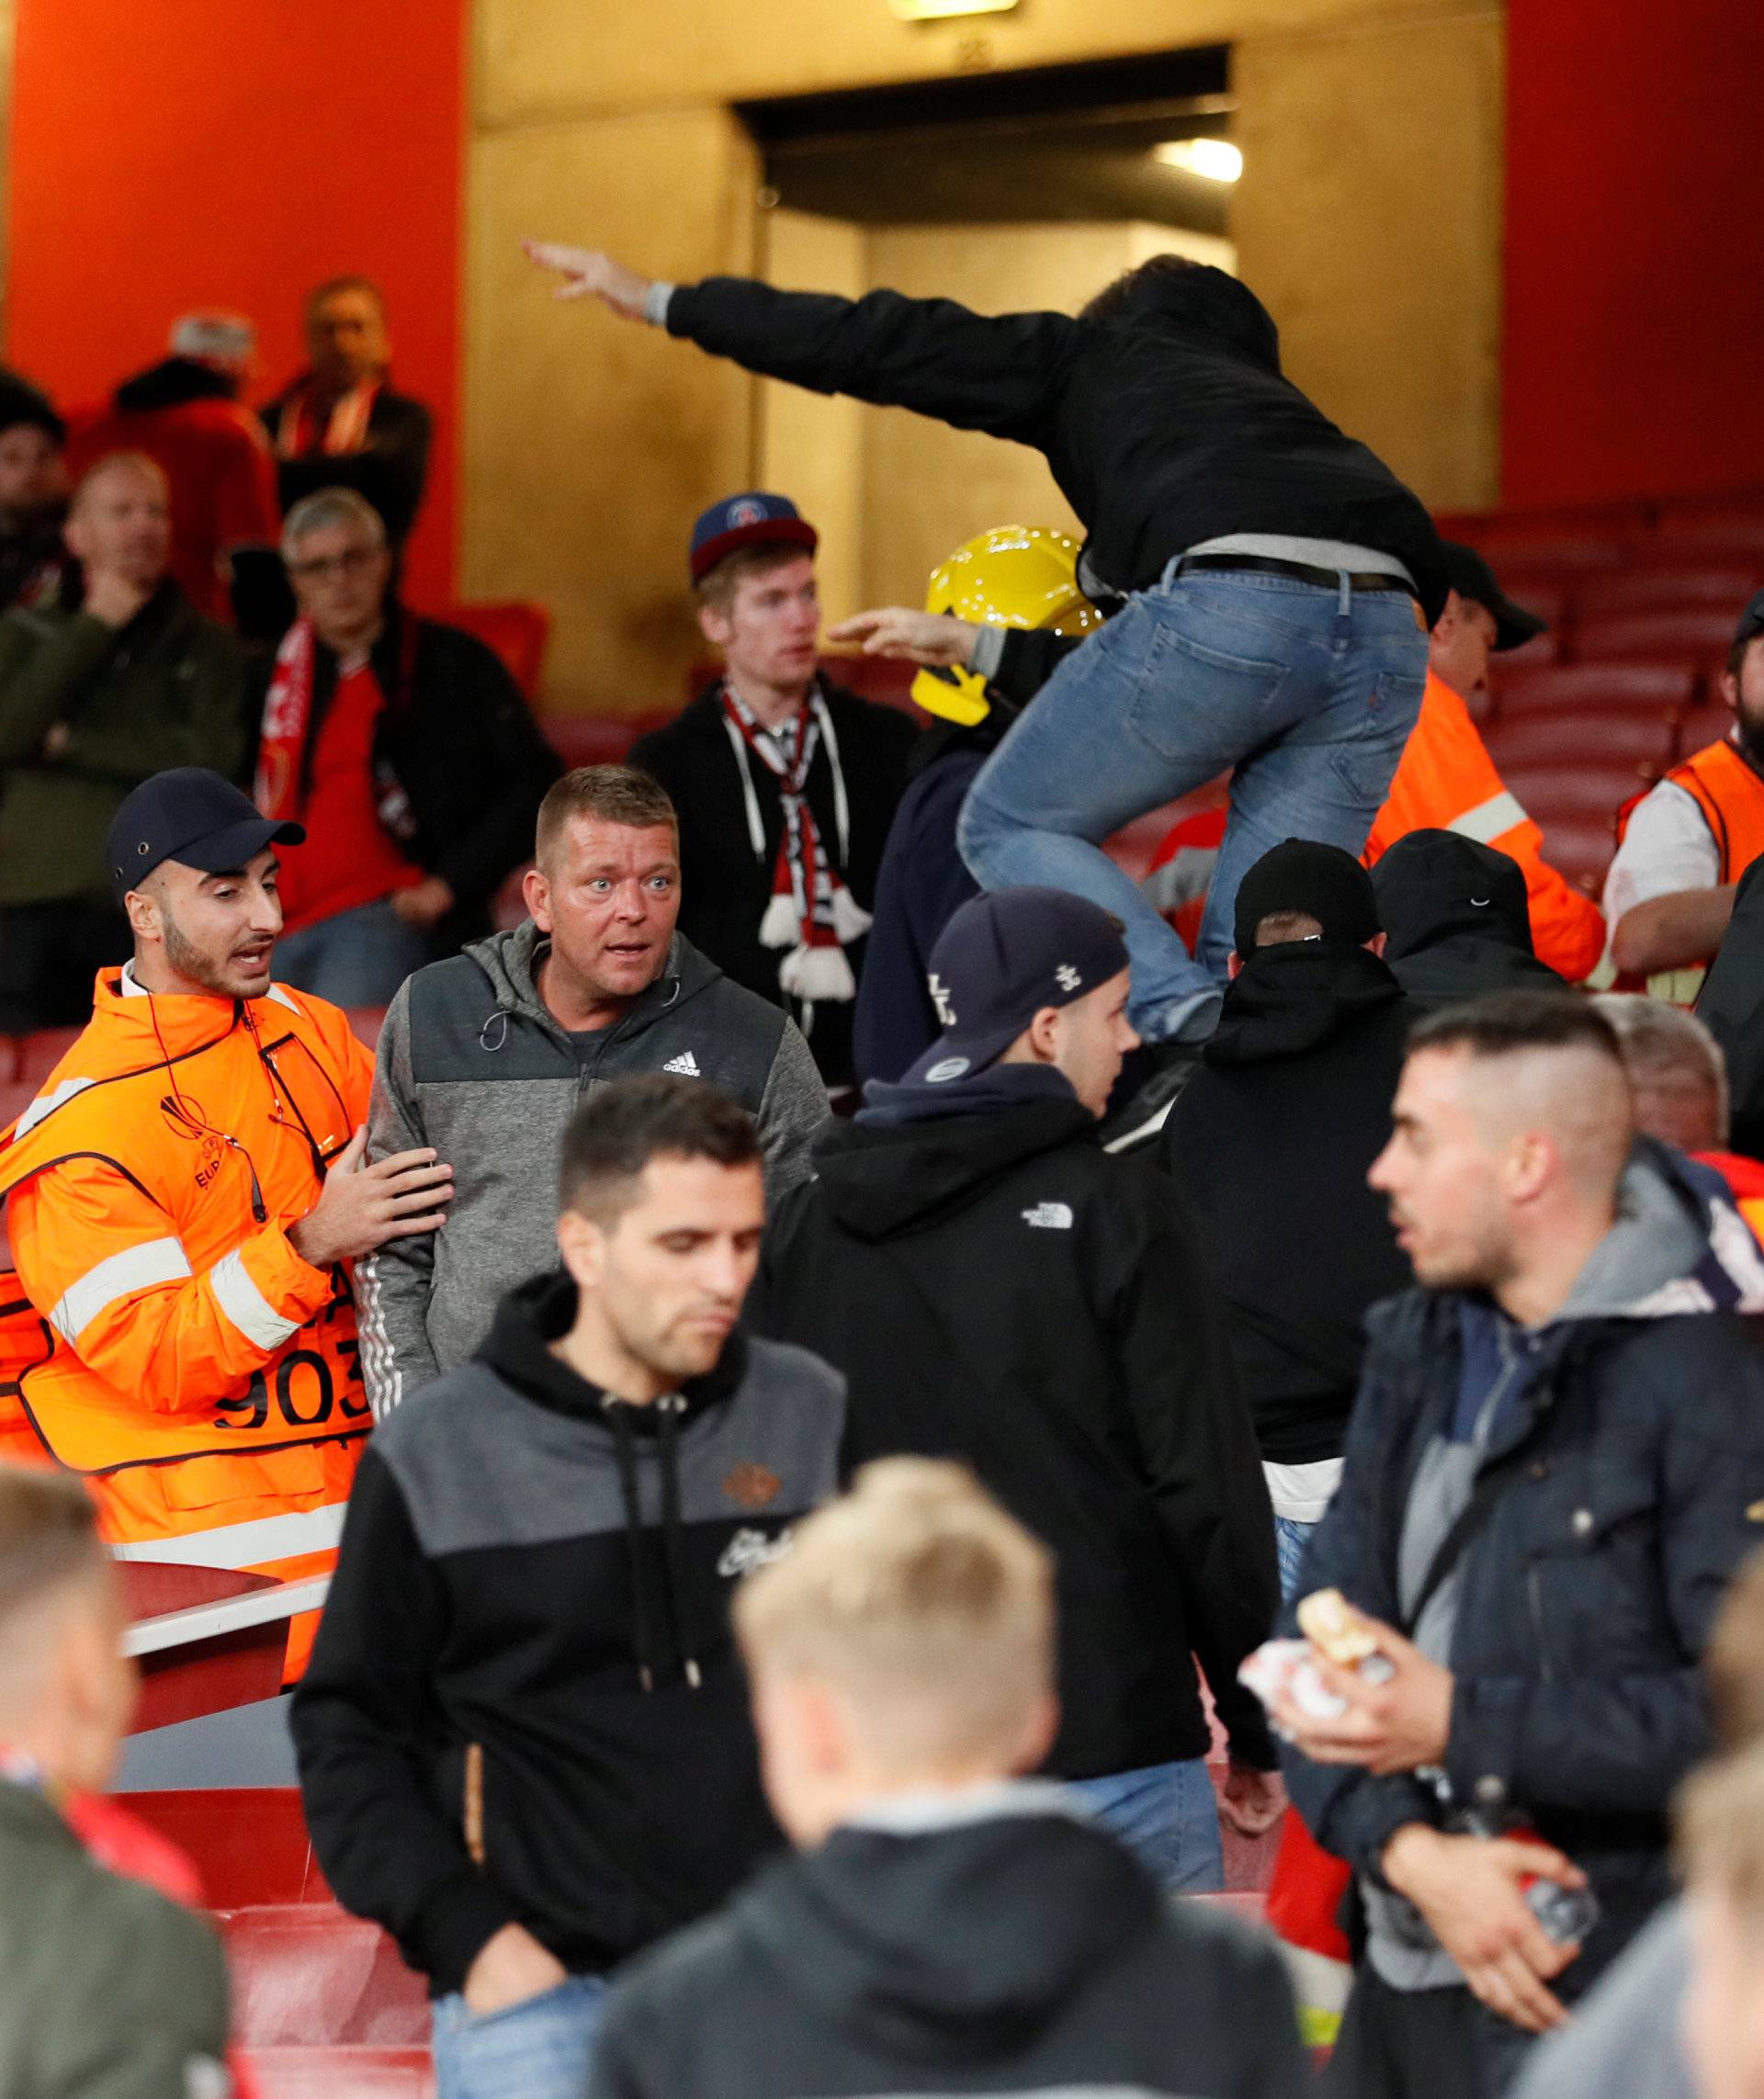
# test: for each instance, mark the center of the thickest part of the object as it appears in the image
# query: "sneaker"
(1170, 1067)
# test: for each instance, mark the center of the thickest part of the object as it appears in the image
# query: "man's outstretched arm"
(1000, 375)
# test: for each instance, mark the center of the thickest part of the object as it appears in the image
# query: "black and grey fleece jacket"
(524, 1705)
(473, 1061)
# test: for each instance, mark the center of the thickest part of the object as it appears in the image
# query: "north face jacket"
(1630, 1485)
(525, 1704)
(986, 1942)
(997, 1288)
(472, 1063)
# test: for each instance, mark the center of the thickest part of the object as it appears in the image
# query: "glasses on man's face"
(350, 562)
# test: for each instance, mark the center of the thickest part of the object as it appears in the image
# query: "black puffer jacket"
(1166, 423)
(1630, 1485)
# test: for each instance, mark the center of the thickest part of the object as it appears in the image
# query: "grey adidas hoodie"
(473, 1061)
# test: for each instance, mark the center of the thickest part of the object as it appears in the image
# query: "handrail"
(232, 1614)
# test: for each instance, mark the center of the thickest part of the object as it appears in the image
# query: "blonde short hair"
(920, 1600)
(1721, 1830)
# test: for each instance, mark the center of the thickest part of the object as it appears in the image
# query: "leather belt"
(1301, 572)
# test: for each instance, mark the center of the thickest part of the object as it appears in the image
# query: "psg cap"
(755, 519)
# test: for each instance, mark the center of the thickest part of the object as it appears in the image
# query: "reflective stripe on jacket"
(201, 1374)
(1448, 782)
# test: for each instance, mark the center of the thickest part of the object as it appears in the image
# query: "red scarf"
(346, 428)
(811, 912)
(280, 787)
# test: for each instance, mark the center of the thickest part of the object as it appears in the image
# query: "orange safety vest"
(1730, 795)
(1448, 782)
(200, 1375)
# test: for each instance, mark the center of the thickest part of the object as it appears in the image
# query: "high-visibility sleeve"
(1567, 927)
(104, 1264)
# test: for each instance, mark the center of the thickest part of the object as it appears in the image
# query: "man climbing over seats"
(1279, 578)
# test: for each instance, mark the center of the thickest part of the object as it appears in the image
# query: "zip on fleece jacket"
(472, 1063)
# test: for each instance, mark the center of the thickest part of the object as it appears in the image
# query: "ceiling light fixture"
(1217, 160)
(944, 10)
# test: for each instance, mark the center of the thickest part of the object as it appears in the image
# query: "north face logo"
(686, 1064)
(1050, 1216)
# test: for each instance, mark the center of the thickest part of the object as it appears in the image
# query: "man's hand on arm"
(1402, 1724)
(364, 1206)
(936, 638)
(590, 273)
(1674, 932)
(510, 1969)
(1471, 1891)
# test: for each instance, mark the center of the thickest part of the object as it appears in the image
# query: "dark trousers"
(48, 955)
(1421, 2044)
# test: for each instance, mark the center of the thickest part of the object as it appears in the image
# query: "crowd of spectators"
(870, 1391)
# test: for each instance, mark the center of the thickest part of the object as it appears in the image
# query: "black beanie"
(1322, 881)
(22, 402)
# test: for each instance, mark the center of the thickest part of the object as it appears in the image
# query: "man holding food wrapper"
(1555, 1463)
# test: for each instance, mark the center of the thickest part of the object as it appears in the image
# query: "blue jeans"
(1169, 1815)
(356, 958)
(541, 2049)
(1310, 693)
(1291, 1537)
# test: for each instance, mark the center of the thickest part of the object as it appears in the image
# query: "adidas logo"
(686, 1064)
(1050, 1216)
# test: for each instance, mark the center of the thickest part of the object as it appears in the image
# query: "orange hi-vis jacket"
(1448, 782)
(199, 1374)
(1730, 795)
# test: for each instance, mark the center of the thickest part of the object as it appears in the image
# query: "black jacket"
(1630, 1485)
(1458, 920)
(1269, 1141)
(391, 469)
(1732, 1003)
(524, 1703)
(997, 1288)
(456, 735)
(1006, 1950)
(725, 885)
(1167, 423)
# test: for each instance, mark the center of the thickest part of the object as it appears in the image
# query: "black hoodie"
(1164, 417)
(1002, 1947)
(524, 1703)
(1271, 1141)
(1458, 920)
(996, 1288)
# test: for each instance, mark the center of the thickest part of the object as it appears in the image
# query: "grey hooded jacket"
(473, 1061)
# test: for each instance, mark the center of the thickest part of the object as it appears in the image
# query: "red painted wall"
(1633, 356)
(201, 152)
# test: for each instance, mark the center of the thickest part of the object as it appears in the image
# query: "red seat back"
(1699, 637)
(1675, 585)
(1704, 726)
(518, 629)
(1549, 735)
(308, 1974)
(1594, 688)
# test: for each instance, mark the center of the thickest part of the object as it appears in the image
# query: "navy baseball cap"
(1001, 959)
(755, 519)
(1303, 874)
(194, 817)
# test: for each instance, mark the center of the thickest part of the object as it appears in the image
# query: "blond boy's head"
(905, 1642)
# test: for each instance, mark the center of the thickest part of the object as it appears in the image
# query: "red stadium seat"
(1670, 586)
(248, 1842)
(598, 740)
(1593, 688)
(1693, 637)
(365, 1023)
(1743, 507)
(1540, 591)
(1703, 727)
(341, 2072)
(1579, 847)
(1557, 550)
(1736, 537)
(307, 1973)
(519, 631)
(1546, 736)
(1575, 807)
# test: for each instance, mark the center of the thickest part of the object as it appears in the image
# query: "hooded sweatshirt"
(473, 1061)
(997, 1288)
(524, 1705)
(1458, 920)
(990, 1942)
(1165, 418)
(1270, 1142)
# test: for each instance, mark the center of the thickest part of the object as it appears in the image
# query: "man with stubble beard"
(486, 1056)
(186, 1195)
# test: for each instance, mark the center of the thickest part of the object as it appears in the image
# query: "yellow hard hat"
(1015, 575)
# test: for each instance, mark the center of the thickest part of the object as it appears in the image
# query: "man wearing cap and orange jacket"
(185, 1196)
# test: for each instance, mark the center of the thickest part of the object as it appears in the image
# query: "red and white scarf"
(346, 428)
(287, 723)
(811, 912)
